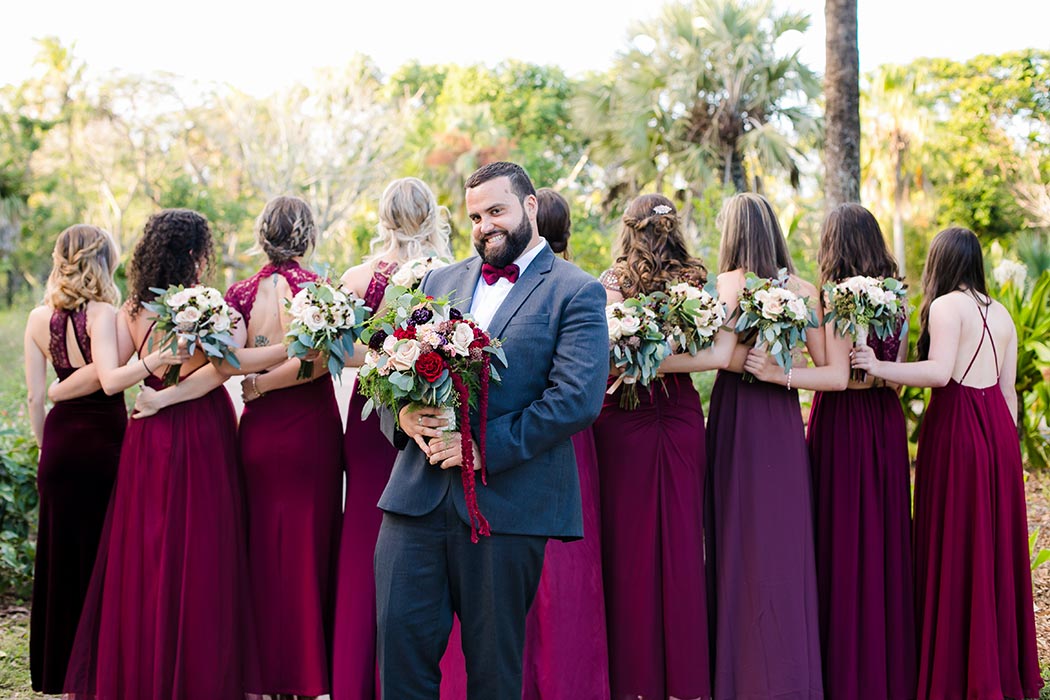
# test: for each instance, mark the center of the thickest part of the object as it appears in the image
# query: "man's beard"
(514, 244)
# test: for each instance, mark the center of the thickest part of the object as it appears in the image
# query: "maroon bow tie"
(492, 273)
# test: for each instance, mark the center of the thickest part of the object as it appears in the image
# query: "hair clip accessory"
(662, 209)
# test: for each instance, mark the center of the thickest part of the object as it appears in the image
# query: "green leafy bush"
(18, 516)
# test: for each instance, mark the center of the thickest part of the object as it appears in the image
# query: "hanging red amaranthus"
(478, 524)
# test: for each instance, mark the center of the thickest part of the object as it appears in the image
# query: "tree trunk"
(842, 98)
(898, 213)
(738, 171)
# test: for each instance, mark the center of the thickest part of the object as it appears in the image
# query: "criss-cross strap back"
(985, 331)
(57, 342)
(378, 284)
(241, 295)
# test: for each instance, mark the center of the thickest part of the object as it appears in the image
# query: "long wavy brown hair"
(176, 248)
(852, 244)
(954, 263)
(82, 266)
(653, 250)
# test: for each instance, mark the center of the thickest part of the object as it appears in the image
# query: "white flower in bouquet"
(859, 305)
(323, 319)
(630, 324)
(462, 337)
(615, 326)
(196, 315)
(405, 354)
(411, 273)
(778, 317)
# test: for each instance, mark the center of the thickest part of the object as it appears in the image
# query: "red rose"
(403, 333)
(430, 365)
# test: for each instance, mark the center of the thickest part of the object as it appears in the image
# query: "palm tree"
(894, 124)
(702, 86)
(842, 104)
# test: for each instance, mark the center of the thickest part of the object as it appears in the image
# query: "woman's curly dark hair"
(653, 249)
(176, 248)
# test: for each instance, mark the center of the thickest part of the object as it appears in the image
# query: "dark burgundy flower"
(430, 365)
(421, 315)
(376, 341)
(455, 314)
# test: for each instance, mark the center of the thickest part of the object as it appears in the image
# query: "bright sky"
(258, 46)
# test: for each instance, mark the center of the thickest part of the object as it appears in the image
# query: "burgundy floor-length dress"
(973, 582)
(858, 446)
(369, 458)
(78, 465)
(163, 615)
(760, 548)
(652, 467)
(292, 462)
(565, 656)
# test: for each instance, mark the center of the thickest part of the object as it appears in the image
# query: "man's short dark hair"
(520, 182)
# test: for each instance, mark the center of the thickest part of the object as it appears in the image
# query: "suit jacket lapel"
(462, 292)
(533, 276)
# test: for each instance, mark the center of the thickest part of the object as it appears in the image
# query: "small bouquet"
(778, 316)
(691, 316)
(859, 305)
(412, 272)
(324, 319)
(197, 315)
(423, 350)
(637, 345)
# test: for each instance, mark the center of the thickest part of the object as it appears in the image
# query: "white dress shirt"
(489, 297)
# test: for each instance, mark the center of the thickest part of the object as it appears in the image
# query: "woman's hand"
(148, 403)
(250, 388)
(761, 365)
(863, 357)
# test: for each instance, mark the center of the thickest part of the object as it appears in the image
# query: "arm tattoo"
(261, 341)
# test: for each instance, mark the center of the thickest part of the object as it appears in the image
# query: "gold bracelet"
(255, 387)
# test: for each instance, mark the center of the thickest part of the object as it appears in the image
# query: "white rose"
(681, 289)
(630, 325)
(178, 299)
(388, 344)
(405, 355)
(221, 322)
(615, 328)
(213, 296)
(857, 285)
(403, 277)
(188, 316)
(797, 307)
(771, 304)
(371, 359)
(462, 337)
(314, 319)
(298, 305)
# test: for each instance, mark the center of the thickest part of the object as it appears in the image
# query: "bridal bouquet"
(198, 316)
(412, 272)
(323, 319)
(423, 350)
(859, 305)
(691, 316)
(637, 345)
(778, 316)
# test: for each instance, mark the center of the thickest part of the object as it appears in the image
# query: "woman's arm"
(834, 376)
(150, 401)
(115, 376)
(285, 375)
(82, 382)
(1008, 377)
(250, 359)
(945, 329)
(36, 382)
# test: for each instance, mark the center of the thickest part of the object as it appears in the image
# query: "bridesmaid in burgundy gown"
(652, 470)
(161, 618)
(973, 582)
(759, 535)
(292, 463)
(411, 226)
(79, 444)
(858, 448)
(565, 654)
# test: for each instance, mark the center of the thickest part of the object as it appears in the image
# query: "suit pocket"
(529, 319)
